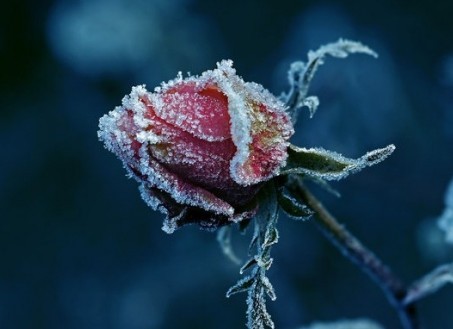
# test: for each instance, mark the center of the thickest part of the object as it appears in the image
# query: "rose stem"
(353, 249)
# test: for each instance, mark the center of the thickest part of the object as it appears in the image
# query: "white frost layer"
(240, 120)
(445, 221)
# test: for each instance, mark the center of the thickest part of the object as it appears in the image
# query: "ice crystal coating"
(200, 146)
(323, 164)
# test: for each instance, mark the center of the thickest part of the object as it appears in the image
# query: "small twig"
(353, 249)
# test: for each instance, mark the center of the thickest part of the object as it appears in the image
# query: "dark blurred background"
(79, 248)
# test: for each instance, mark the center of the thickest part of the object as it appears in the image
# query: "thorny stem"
(352, 248)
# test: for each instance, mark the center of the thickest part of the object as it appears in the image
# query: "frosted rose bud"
(200, 146)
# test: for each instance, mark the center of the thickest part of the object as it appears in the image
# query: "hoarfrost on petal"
(241, 124)
(204, 117)
(181, 191)
(133, 102)
(148, 137)
(202, 112)
(153, 202)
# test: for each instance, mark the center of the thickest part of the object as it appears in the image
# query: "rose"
(200, 146)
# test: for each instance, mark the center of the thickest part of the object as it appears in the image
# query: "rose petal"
(201, 112)
(181, 152)
(153, 173)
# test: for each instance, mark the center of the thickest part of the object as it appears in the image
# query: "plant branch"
(354, 250)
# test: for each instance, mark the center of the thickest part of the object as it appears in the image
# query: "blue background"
(78, 247)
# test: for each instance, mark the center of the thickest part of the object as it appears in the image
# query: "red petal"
(180, 190)
(201, 112)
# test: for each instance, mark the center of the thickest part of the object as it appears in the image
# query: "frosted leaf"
(264, 262)
(257, 315)
(247, 265)
(241, 286)
(300, 74)
(328, 165)
(445, 221)
(269, 288)
(271, 237)
(430, 283)
(345, 324)
(292, 206)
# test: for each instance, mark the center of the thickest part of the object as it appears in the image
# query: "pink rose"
(200, 146)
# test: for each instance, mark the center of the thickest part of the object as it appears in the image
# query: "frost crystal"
(445, 221)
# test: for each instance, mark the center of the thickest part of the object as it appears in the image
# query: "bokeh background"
(78, 247)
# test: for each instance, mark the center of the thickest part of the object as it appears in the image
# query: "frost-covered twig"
(300, 74)
(256, 283)
(353, 249)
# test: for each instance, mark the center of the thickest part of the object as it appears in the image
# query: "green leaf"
(292, 206)
(241, 286)
(264, 263)
(268, 288)
(328, 165)
(247, 265)
(257, 315)
(270, 237)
